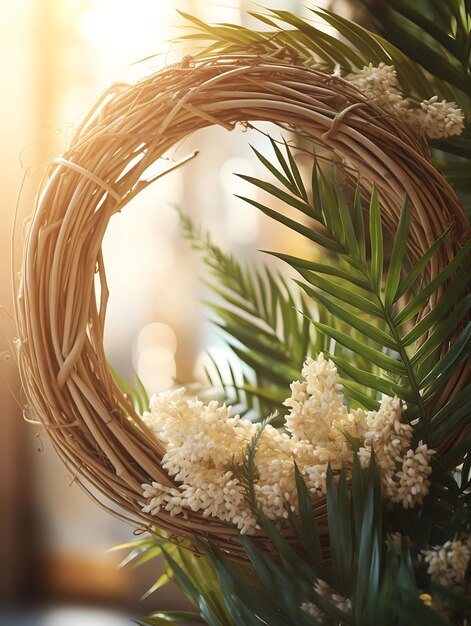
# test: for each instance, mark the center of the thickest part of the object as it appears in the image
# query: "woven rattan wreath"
(93, 426)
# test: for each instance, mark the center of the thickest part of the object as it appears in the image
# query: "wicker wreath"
(69, 388)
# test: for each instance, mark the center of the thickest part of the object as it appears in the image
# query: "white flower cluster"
(328, 593)
(404, 472)
(313, 611)
(380, 84)
(440, 118)
(203, 447)
(206, 451)
(316, 404)
(447, 564)
(437, 119)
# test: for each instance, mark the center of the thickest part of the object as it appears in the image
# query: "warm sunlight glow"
(113, 22)
(156, 368)
(243, 220)
(159, 335)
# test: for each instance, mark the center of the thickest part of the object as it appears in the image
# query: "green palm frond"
(235, 390)
(136, 392)
(351, 48)
(433, 34)
(266, 324)
(367, 565)
(195, 576)
(369, 318)
(248, 474)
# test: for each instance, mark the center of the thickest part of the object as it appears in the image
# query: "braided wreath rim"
(69, 389)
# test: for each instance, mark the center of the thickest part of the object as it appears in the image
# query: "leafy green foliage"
(433, 34)
(194, 575)
(374, 344)
(368, 322)
(136, 393)
(259, 314)
(170, 618)
(248, 475)
(367, 565)
(351, 48)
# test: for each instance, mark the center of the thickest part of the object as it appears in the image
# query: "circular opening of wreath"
(94, 426)
(202, 203)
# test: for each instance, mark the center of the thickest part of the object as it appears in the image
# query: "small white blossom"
(315, 403)
(404, 472)
(380, 84)
(328, 593)
(386, 434)
(412, 484)
(447, 564)
(313, 611)
(437, 119)
(440, 118)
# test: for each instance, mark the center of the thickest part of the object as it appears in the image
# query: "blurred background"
(56, 57)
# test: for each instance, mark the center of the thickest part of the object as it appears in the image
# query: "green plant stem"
(410, 371)
(400, 350)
